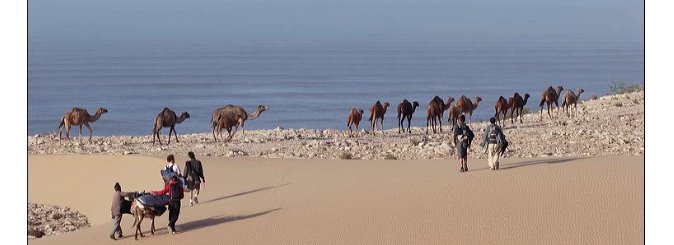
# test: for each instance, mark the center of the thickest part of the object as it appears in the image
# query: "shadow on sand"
(246, 192)
(541, 161)
(532, 162)
(198, 224)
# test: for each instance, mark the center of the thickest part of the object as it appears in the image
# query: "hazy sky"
(339, 19)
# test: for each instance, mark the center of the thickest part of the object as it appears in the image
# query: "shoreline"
(609, 125)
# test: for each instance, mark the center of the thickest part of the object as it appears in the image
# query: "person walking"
(175, 192)
(171, 164)
(194, 175)
(491, 140)
(463, 137)
(116, 211)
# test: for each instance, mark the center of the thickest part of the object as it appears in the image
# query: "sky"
(342, 20)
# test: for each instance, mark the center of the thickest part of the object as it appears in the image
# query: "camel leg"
(169, 136)
(440, 122)
(91, 132)
(409, 123)
(230, 133)
(213, 131)
(382, 125)
(175, 133)
(68, 132)
(80, 138)
(152, 227)
(549, 108)
(159, 136)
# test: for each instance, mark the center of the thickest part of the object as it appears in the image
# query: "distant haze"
(343, 20)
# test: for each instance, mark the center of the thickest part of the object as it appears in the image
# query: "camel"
(501, 107)
(78, 117)
(548, 97)
(436, 111)
(230, 116)
(571, 98)
(377, 112)
(406, 109)
(167, 118)
(354, 118)
(517, 104)
(454, 113)
(139, 212)
(467, 106)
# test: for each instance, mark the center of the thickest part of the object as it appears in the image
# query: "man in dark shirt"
(116, 212)
(194, 175)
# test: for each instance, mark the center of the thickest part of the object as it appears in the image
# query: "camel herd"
(232, 117)
(227, 117)
(437, 107)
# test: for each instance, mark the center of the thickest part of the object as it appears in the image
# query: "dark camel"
(467, 106)
(436, 111)
(78, 117)
(405, 110)
(377, 112)
(230, 116)
(354, 119)
(501, 108)
(165, 119)
(571, 98)
(549, 97)
(517, 104)
(454, 113)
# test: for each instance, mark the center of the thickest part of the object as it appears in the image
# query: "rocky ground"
(45, 220)
(609, 125)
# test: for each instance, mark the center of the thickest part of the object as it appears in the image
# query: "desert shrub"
(345, 156)
(390, 156)
(414, 142)
(57, 216)
(35, 232)
(618, 104)
(594, 97)
(622, 88)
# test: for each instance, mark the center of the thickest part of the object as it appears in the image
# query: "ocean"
(305, 84)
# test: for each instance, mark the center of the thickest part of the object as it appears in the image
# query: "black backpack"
(176, 191)
(502, 142)
(465, 130)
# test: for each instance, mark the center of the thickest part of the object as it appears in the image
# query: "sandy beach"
(595, 200)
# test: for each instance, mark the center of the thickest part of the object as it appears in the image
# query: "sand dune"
(272, 201)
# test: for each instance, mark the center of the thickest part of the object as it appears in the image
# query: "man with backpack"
(494, 141)
(463, 137)
(175, 192)
(194, 175)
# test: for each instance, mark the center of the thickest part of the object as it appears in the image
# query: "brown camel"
(78, 117)
(165, 119)
(468, 106)
(354, 119)
(405, 110)
(501, 108)
(454, 113)
(517, 104)
(377, 112)
(436, 111)
(139, 212)
(230, 116)
(571, 98)
(548, 97)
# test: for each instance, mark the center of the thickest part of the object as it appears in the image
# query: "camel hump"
(165, 109)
